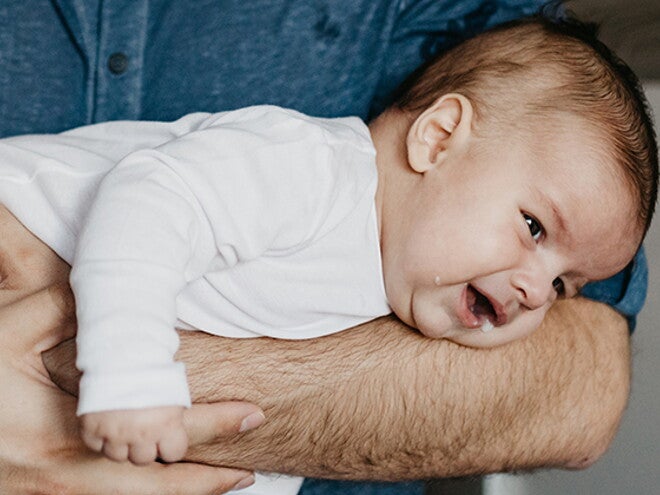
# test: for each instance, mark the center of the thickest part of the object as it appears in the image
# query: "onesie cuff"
(137, 389)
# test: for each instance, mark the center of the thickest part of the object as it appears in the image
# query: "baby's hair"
(543, 66)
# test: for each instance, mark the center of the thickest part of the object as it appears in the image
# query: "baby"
(510, 172)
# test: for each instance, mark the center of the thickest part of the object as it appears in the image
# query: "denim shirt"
(67, 63)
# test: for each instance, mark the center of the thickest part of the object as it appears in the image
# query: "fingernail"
(252, 421)
(244, 483)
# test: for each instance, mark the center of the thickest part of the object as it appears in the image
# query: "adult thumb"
(38, 321)
(205, 423)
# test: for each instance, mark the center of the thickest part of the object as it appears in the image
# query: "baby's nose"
(534, 288)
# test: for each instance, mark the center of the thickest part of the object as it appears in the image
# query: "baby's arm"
(133, 259)
(139, 435)
(145, 236)
(201, 203)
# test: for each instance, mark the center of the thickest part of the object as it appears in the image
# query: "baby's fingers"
(173, 446)
(94, 442)
(117, 451)
(142, 453)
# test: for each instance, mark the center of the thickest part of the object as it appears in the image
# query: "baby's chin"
(477, 337)
(437, 332)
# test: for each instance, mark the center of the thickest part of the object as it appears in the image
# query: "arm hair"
(382, 402)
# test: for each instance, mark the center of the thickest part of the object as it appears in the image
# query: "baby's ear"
(444, 126)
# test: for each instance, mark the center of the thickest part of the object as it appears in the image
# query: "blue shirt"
(66, 63)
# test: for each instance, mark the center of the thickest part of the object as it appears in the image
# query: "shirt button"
(118, 63)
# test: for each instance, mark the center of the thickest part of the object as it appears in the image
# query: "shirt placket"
(120, 59)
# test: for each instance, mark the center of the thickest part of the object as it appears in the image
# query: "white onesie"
(256, 222)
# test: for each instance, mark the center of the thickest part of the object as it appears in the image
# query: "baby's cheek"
(433, 321)
(437, 327)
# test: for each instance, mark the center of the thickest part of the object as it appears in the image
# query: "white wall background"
(632, 465)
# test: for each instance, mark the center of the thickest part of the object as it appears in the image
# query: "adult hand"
(342, 406)
(40, 447)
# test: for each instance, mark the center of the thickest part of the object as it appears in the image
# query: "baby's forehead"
(580, 182)
(615, 191)
(578, 145)
(597, 227)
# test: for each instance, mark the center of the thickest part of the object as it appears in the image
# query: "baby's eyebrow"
(557, 216)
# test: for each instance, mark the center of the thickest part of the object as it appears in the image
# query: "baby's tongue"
(479, 304)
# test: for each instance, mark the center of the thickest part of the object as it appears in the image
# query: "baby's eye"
(558, 285)
(535, 228)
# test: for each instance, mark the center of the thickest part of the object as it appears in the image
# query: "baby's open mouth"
(480, 306)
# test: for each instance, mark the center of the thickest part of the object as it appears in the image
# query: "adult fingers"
(60, 364)
(104, 477)
(206, 422)
(38, 321)
(196, 479)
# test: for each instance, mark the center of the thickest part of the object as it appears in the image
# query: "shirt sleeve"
(625, 291)
(223, 194)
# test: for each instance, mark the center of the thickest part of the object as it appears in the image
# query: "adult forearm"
(381, 402)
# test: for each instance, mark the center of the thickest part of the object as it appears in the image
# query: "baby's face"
(492, 238)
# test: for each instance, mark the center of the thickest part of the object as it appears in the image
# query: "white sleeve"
(220, 195)
(145, 236)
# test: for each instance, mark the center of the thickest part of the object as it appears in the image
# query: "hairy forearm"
(381, 402)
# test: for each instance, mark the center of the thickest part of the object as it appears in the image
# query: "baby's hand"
(139, 435)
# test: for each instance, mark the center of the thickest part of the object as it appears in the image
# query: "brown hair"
(542, 66)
